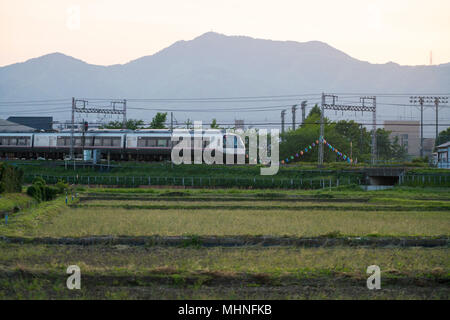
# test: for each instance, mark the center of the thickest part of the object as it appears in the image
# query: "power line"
(270, 123)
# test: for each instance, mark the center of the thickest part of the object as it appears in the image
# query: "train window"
(22, 141)
(13, 141)
(77, 141)
(115, 142)
(141, 142)
(151, 142)
(88, 141)
(107, 142)
(162, 142)
(3, 141)
(64, 141)
(97, 141)
(146, 142)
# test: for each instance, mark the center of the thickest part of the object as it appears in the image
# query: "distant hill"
(215, 65)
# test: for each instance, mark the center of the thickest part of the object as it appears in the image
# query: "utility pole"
(171, 134)
(72, 129)
(436, 104)
(122, 111)
(322, 109)
(438, 100)
(303, 105)
(422, 100)
(374, 126)
(351, 150)
(294, 108)
(361, 142)
(98, 110)
(419, 100)
(283, 112)
(322, 122)
(124, 124)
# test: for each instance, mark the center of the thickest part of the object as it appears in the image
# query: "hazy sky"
(116, 31)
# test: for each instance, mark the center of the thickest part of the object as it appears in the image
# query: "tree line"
(349, 137)
(158, 122)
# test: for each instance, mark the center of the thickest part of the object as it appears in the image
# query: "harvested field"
(229, 245)
(80, 222)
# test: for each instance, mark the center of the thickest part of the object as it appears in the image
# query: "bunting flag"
(314, 144)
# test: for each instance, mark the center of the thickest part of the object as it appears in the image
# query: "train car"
(156, 144)
(16, 145)
(57, 145)
(148, 144)
(142, 145)
(232, 144)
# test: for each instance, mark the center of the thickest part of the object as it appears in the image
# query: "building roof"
(444, 145)
(38, 123)
(8, 126)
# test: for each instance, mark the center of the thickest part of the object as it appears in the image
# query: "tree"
(11, 178)
(314, 111)
(383, 145)
(214, 124)
(358, 136)
(398, 151)
(303, 136)
(443, 137)
(158, 121)
(131, 124)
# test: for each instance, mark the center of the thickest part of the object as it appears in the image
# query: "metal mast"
(294, 108)
(342, 107)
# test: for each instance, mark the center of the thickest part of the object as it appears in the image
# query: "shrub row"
(40, 191)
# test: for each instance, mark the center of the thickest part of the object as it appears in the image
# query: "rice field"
(35, 269)
(79, 222)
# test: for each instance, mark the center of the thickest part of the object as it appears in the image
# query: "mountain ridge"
(212, 34)
(216, 65)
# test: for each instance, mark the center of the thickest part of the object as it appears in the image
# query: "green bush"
(35, 191)
(62, 187)
(11, 178)
(39, 181)
(50, 192)
(40, 191)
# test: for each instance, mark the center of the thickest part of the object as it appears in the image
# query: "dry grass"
(383, 204)
(117, 221)
(275, 261)
(217, 202)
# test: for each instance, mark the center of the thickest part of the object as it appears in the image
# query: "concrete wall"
(408, 133)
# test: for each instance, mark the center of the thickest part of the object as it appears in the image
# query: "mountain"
(215, 65)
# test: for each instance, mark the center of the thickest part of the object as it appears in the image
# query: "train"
(111, 144)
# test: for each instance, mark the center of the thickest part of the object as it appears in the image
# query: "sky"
(106, 32)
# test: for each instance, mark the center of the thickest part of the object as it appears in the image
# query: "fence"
(210, 182)
(442, 180)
